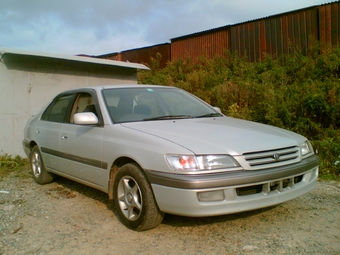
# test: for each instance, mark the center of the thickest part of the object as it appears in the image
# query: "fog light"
(211, 196)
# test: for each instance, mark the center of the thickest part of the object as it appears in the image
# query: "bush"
(328, 149)
(295, 92)
(16, 166)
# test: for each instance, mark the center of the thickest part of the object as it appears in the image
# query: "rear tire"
(40, 175)
(134, 202)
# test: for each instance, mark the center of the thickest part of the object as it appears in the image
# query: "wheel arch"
(116, 165)
(31, 144)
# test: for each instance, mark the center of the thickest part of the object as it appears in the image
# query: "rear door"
(47, 130)
(81, 145)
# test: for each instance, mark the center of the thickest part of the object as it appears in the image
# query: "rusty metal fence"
(275, 35)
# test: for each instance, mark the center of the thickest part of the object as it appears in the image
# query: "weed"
(14, 166)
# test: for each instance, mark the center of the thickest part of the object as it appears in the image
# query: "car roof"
(99, 88)
(129, 86)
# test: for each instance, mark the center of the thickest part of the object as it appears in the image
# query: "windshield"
(154, 103)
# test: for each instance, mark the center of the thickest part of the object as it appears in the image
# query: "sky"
(96, 27)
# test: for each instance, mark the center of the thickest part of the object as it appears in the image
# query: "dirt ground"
(68, 218)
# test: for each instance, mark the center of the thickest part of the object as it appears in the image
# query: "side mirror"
(217, 109)
(85, 118)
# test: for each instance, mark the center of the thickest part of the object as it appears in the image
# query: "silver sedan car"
(156, 150)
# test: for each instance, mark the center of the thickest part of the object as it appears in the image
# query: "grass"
(14, 167)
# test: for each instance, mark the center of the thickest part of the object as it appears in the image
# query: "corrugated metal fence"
(142, 55)
(274, 35)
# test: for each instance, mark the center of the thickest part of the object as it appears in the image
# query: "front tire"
(40, 175)
(134, 202)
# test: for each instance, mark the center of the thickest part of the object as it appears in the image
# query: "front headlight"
(201, 162)
(306, 148)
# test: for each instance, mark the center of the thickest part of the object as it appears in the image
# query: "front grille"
(261, 158)
(250, 190)
(269, 187)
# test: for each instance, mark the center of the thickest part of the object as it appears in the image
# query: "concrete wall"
(25, 89)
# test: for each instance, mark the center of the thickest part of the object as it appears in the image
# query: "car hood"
(222, 135)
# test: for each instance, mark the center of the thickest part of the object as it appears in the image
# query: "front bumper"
(242, 190)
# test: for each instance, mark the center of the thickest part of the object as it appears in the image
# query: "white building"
(29, 80)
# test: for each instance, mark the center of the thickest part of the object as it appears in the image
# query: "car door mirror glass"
(85, 118)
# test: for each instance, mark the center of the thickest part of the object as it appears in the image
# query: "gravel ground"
(68, 218)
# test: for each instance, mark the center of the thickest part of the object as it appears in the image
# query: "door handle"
(64, 137)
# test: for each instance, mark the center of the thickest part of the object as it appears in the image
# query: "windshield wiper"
(167, 117)
(213, 114)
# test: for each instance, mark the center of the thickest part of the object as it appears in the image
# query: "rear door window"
(56, 111)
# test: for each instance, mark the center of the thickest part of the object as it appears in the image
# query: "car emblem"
(276, 156)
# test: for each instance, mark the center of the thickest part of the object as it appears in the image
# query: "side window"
(56, 111)
(83, 103)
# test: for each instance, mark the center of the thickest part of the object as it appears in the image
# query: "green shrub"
(14, 166)
(329, 151)
(295, 92)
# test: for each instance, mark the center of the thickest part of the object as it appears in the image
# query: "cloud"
(103, 26)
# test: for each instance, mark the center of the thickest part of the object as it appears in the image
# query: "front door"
(81, 145)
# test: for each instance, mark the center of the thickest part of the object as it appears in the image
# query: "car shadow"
(184, 221)
(85, 190)
(169, 219)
